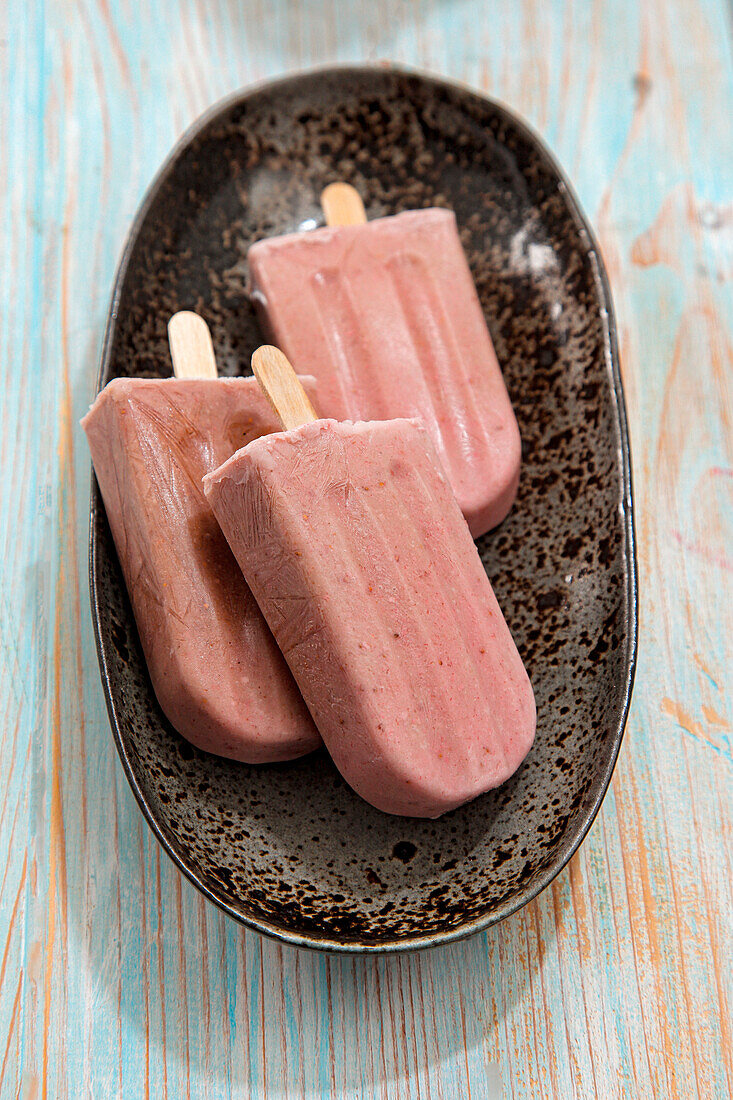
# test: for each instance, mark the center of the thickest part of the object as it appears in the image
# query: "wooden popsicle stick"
(342, 205)
(192, 351)
(282, 387)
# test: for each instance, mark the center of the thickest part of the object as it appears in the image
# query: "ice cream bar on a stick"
(352, 541)
(214, 665)
(385, 314)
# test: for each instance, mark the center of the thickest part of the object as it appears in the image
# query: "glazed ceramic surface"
(289, 849)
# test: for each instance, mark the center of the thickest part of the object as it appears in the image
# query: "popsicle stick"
(282, 387)
(342, 205)
(192, 351)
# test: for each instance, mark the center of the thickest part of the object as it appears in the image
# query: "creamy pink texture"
(213, 662)
(387, 318)
(353, 543)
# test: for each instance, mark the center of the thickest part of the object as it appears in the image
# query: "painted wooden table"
(116, 978)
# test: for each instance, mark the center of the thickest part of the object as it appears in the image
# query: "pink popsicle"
(216, 670)
(353, 543)
(386, 316)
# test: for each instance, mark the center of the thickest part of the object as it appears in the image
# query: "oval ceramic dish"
(288, 849)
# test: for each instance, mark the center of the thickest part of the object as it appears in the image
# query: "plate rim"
(395, 945)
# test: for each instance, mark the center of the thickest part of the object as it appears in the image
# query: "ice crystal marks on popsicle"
(415, 719)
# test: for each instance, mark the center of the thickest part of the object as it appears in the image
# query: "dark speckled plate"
(289, 849)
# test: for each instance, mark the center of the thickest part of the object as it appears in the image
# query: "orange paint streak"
(485, 78)
(299, 1018)
(391, 1010)
(559, 916)
(119, 53)
(577, 894)
(623, 906)
(465, 1042)
(192, 89)
(676, 110)
(161, 968)
(30, 1087)
(712, 910)
(550, 1047)
(9, 768)
(608, 236)
(711, 922)
(684, 719)
(636, 914)
(694, 1033)
(98, 72)
(184, 981)
(663, 242)
(679, 220)
(413, 1030)
(704, 668)
(433, 1029)
(11, 1029)
(382, 1055)
(678, 225)
(13, 917)
(118, 927)
(533, 1064)
(205, 996)
(331, 1045)
(721, 364)
(282, 1016)
(263, 1040)
(57, 884)
(506, 70)
(67, 477)
(593, 71)
(50, 937)
(243, 1028)
(15, 822)
(567, 69)
(638, 121)
(579, 908)
(399, 977)
(675, 414)
(534, 75)
(715, 719)
(710, 916)
(672, 1034)
(57, 849)
(144, 960)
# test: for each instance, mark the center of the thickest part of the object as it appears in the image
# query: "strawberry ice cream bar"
(386, 316)
(352, 541)
(215, 667)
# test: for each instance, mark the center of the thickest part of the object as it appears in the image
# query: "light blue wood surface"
(116, 978)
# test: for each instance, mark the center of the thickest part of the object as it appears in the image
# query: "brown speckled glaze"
(289, 849)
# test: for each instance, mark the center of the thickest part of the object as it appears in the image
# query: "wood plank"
(116, 979)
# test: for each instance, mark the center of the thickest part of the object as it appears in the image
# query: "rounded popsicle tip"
(222, 722)
(487, 500)
(433, 797)
(449, 780)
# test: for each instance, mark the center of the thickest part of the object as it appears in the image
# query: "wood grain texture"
(192, 352)
(282, 387)
(116, 978)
